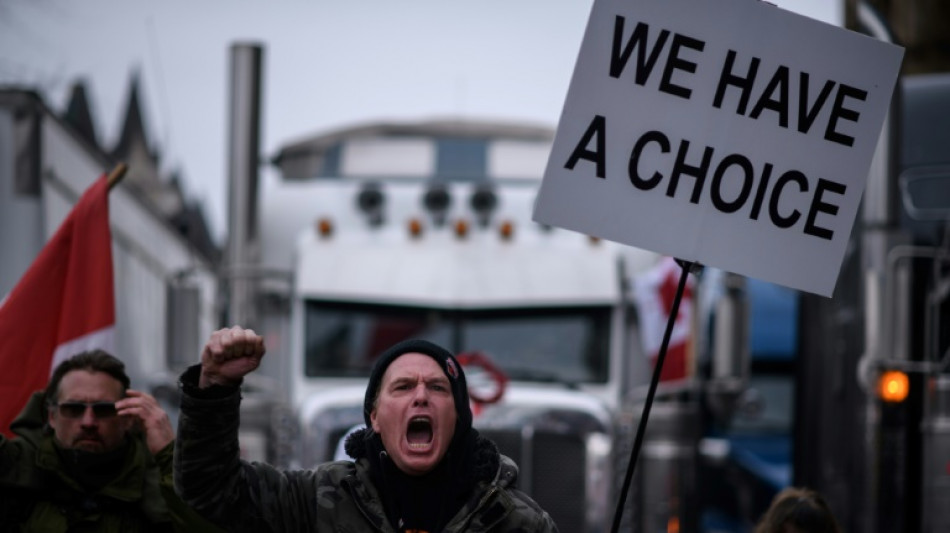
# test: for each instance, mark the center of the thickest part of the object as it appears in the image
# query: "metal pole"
(243, 161)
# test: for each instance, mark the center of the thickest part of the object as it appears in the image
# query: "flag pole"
(117, 174)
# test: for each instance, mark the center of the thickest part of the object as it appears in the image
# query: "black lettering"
(806, 117)
(818, 206)
(784, 179)
(618, 59)
(715, 190)
(838, 111)
(680, 168)
(674, 62)
(635, 179)
(760, 192)
(598, 129)
(779, 81)
(744, 84)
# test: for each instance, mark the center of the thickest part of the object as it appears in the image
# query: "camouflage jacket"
(338, 496)
(38, 495)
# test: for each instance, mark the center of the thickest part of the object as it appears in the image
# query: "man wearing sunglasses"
(91, 454)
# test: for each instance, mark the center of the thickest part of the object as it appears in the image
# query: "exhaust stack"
(243, 250)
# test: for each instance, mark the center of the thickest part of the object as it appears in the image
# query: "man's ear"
(372, 419)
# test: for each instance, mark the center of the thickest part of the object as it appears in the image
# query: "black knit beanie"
(447, 362)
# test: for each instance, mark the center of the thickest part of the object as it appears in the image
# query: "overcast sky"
(327, 64)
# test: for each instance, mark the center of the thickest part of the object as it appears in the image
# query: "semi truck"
(850, 395)
(873, 403)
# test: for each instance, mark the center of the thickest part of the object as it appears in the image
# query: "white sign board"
(729, 132)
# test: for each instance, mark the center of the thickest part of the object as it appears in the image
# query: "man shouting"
(419, 466)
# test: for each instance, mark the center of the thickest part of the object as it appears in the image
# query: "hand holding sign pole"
(730, 133)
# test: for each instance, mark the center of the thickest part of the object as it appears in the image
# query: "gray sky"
(327, 64)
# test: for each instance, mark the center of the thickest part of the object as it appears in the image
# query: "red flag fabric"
(654, 292)
(63, 304)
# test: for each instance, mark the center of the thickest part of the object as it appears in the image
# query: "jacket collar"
(491, 473)
(488, 506)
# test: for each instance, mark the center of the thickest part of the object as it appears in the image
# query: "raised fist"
(230, 354)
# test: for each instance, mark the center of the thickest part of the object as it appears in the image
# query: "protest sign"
(729, 132)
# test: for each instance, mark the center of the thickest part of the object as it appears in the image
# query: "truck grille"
(552, 467)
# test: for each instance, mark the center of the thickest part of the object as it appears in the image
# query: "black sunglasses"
(77, 409)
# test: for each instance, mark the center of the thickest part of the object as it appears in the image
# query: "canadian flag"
(654, 291)
(64, 303)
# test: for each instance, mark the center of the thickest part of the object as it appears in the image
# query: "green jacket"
(37, 495)
(334, 497)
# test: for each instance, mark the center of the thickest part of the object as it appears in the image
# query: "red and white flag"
(654, 292)
(64, 303)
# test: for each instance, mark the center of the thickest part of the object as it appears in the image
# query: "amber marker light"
(673, 525)
(461, 228)
(506, 230)
(893, 386)
(415, 228)
(325, 227)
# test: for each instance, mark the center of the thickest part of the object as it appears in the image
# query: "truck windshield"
(558, 345)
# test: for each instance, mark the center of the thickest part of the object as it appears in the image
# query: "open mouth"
(419, 433)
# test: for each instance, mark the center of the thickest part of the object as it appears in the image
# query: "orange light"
(893, 386)
(506, 230)
(324, 227)
(415, 228)
(673, 525)
(461, 228)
